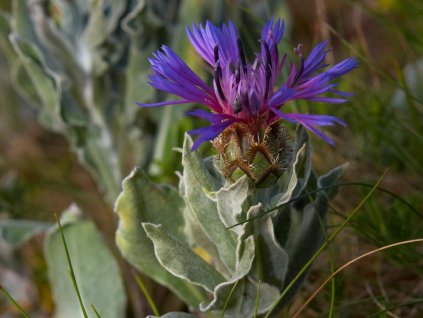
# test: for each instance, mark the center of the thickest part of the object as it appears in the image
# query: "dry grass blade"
(350, 263)
(324, 245)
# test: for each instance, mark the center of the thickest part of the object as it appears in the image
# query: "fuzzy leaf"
(243, 267)
(17, 232)
(331, 178)
(141, 201)
(296, 179)
(243, 300)
(44, 82)
(198, 182)
(271, 263)
(96, 270)
(180, 260)
(229, 202)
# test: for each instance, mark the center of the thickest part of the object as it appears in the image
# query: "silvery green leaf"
(244, 297)
(307, 228)
(46, 83)
(306, 234)
(104, 19)
(331, 178)
(197, 239)
(141, 201)
(243, 300)
(180, 260)
(198, 181)
(17, 232)
(97, 155)
(230, 201)
(303, 164)
(22, 23)
(243, 266)
(96, 270)
(295, 180)
(271, 262)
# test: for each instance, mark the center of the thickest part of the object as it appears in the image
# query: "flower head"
(246, 93)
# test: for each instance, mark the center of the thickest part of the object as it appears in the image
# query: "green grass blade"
(257, 300)
(333, 285)
(228, 299)
(21, 310)
(95, 311)
(409, 303)
(70, 269)
(146, 295)
(324, 245)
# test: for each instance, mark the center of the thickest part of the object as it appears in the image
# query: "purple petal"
(210, 132)
(315, 60)
(166, 103)
(172, 75)
(272, 32)
(210, 117)
(318, 120)
(204, 39)
(309, 121)
(281, 96)
(319, 133)
(343, 67)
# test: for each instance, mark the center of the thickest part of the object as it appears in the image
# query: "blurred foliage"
(385, 222)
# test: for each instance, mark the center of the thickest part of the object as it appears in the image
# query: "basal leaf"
(180, 260)
(198, 182)
(141, 201)
(96, 270)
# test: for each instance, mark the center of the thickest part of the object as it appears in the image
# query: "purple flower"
(243, 92)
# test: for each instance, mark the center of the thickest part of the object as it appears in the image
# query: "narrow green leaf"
(146, 294)
(71, 271)
(96, 272)
(297, 177)
(13, 301)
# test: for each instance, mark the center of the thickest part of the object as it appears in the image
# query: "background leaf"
(17, 232)
(96, 270)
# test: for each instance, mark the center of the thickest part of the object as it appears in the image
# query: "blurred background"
(70, 132)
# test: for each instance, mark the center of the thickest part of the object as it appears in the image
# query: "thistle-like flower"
(245, 102)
